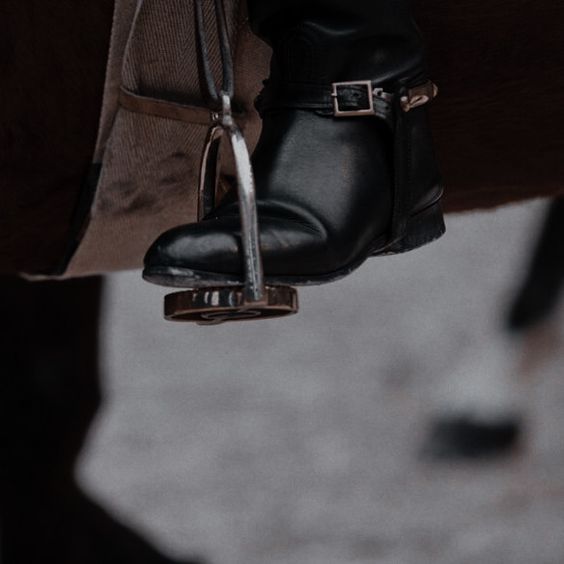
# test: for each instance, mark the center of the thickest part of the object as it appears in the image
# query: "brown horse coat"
(53, 56)
(498, 120)
(499, 123)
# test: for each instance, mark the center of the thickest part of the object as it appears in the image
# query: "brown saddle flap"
(154, 124)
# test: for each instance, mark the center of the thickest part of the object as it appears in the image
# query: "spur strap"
(345, 99)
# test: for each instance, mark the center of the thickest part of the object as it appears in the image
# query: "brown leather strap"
(164, 109)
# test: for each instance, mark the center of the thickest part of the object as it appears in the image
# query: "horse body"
(498, 123)
(53, 57)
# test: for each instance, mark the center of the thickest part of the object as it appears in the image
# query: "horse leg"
(49, 395)
(483, 431)
(539, 294)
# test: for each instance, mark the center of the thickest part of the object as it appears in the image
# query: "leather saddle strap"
(163, 109)
(190, 113)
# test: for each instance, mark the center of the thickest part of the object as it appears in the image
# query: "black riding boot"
(345, 167)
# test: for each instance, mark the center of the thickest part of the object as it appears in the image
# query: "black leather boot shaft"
(325, 41)
(320, 42)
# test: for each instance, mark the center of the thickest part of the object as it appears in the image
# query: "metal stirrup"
(224, 124)
(210, 305)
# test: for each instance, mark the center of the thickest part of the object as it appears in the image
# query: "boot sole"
(422, 228)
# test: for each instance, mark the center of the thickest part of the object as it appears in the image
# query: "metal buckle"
(419, 96)
(353, 113)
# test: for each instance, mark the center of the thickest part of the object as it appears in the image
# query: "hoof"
(470, 438)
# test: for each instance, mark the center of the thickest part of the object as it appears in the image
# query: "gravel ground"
(296, 441)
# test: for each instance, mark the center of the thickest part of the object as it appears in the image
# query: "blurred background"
(349, 433)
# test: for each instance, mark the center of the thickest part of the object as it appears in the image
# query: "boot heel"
(422, 228)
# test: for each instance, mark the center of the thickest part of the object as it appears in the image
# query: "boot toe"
(184, 254)
(196, 246)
